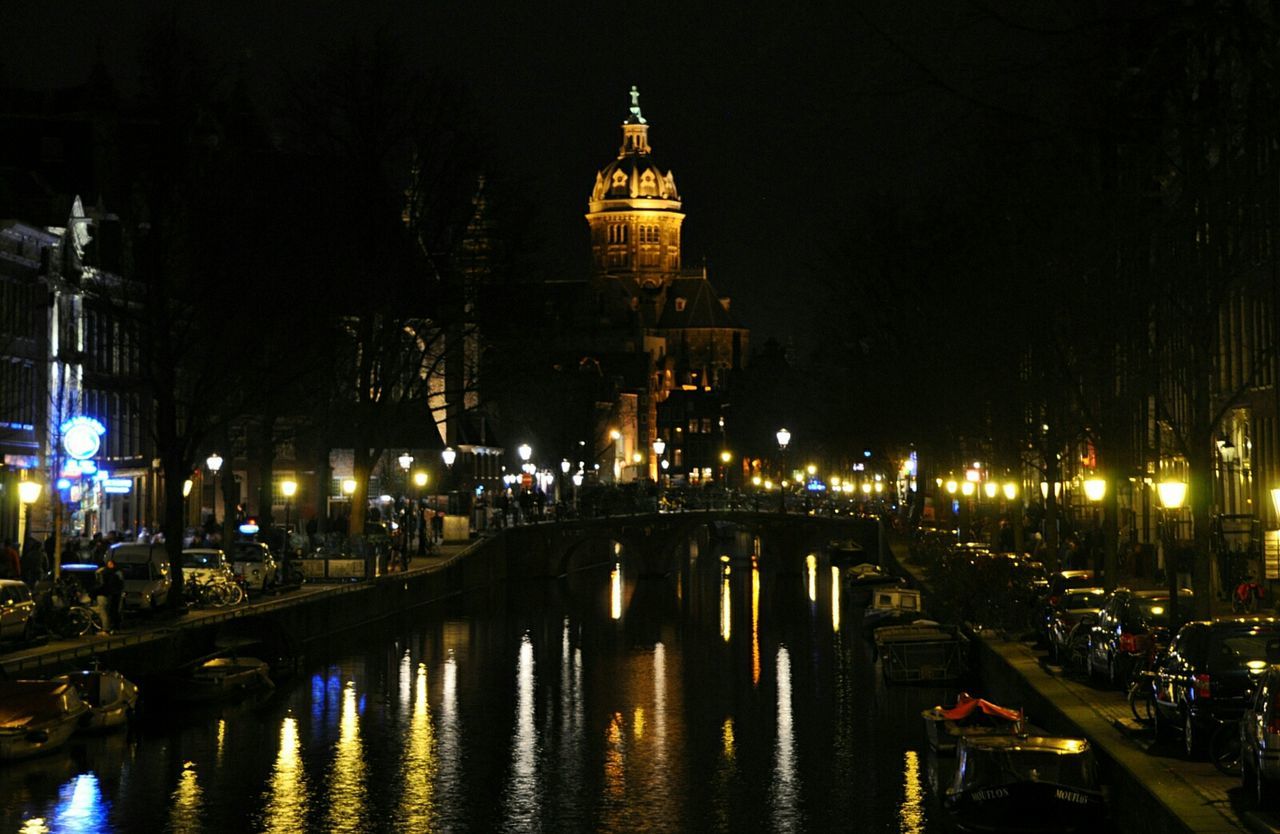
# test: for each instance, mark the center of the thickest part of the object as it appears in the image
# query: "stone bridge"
(654, 543)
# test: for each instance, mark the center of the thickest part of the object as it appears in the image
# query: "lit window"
(679, 305)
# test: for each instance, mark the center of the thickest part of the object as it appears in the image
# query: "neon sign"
(82, 437)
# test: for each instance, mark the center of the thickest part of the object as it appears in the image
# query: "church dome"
(635, 175)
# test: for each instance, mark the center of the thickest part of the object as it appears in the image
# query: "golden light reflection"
(186, 804)
(222, 737)
(811, 568)
(417, 810)
(637, 723)
(346, 772)
(835, 599)
(35, 825)
(614, 760)
(911, 814)
(755, 621)
(726, 607)
(286, 798)
(615, 595)
(727, 740)
(660, 702)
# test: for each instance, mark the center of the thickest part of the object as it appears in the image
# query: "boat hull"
(1038, 807)
(19, 744)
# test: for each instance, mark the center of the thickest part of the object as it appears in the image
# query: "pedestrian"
(437, 527)
(11, 566)
(113, 589)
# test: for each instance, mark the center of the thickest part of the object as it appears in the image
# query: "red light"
(1203, 689)
(1053, 601)
(1133, 643)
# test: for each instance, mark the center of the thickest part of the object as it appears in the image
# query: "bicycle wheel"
(219, 595)
(78, 623)
(1142, 702)
(235, 594)
(1224, 748)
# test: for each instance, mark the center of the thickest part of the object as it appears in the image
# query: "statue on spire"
(636, 118)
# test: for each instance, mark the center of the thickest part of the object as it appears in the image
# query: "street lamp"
(288, 489)
(214, 462)
(28, 494)
(1171, 494)
(349, 487)
(405, 461)
(784, 439)
(525, 451)
(448, 455)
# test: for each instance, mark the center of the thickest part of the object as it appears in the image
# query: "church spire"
(635, 130)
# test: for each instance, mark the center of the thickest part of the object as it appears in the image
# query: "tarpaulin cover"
(966, 705)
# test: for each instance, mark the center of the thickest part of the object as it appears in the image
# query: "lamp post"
(1172, 494)
(288, 489)
(659, 447)
(1095, 489)
(784, 439)
(420, 481)
(214, 462)
(28, 494)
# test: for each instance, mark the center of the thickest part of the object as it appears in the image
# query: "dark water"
(723, 700)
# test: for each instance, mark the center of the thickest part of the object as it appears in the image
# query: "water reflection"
(346, 772)
(911, 815)
(726, 606)
(835, 598)
(186, 803)
(811, 572)
(418, 769)
(755, 620)
(286, 795)
(785, 789)
(522, 799)
(80, 808)
(615, 591)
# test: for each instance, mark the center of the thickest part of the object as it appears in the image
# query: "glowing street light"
(991, 488)
(214, 462)
(288, 489)
(420, 479)
(28, 494)
(1010, 490)
(784, 437)
(1095, 489)
(405, 460)
(349, 487)
(525, 451)
(1172, 494)
(448, 455)
(659, 446)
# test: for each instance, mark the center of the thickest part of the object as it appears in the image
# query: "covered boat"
(110, 696)
(921, 651)
(945, 726)
(843, 553)
(1026, 784)
(223, 678)
(37, 717)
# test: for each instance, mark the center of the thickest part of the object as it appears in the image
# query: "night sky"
(779, 125)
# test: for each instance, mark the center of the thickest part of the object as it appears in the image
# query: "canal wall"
(1138, 792)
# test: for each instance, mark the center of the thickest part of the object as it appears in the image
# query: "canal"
(733, 697)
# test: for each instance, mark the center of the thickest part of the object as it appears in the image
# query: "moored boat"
(1037, 784)
(923, 650)
(893, 606)
(110, 696)
(843, 553)
(970, 716)
(37, 717)
(223, 678)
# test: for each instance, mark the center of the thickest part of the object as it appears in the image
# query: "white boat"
(111, 698)
(893, 606)
(37, 717)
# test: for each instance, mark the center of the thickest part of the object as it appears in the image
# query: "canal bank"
(281, 625)
(1152, 790)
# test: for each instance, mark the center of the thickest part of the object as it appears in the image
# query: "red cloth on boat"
(966, 704)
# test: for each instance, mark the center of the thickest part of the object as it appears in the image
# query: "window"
(693, 425)
(680, 302)
(706, 425)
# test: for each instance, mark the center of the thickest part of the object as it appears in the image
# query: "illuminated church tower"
(634, 212)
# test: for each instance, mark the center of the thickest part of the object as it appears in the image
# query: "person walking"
(113, 590)
(11, 566)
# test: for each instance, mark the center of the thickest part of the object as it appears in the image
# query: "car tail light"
(1053, 600)
(1133, 643)
(1203, 688)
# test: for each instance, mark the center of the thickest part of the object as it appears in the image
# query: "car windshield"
(1154, 611)
(248, 554)
(986, 768)
(1236, 650)
(200, 560)
(135, 570)
(1083, 599)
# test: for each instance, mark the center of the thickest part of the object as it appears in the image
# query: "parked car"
(207, 564)
(146, 574)
(253, 562)
(16, 609)
(1209, 676)
(1128, 627)
(1071, 608)
(1260, 735)
(1051, 592)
